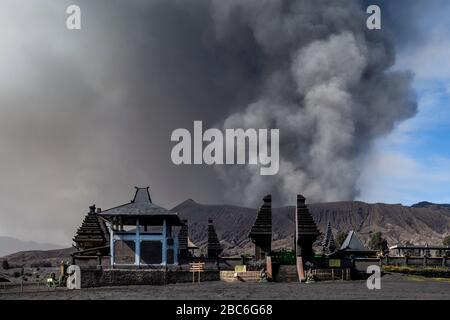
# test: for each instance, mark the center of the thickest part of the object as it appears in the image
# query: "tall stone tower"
(214, 247)
(306, 234)
(261, 232)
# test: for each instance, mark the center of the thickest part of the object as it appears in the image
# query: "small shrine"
(142, 233)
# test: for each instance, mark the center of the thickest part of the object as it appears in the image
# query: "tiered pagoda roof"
(305, 222)
(92, 233)
(183, 236)
(214, 247)
(261, 232)
(328, 243)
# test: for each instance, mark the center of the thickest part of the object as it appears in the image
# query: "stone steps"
(287, 273)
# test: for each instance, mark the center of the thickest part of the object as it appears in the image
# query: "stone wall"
(417, 262)
(92, 261)
(118, 277)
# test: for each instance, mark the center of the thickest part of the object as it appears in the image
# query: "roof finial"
(142, 195)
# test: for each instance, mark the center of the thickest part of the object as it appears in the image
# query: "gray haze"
(327, 86)
(10, 245)
(87, 115)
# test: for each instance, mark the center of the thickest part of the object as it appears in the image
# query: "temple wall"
(124, 252)
(101, 278)
(362, 263)
(92, 261)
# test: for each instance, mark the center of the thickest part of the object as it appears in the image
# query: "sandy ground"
(393, 287)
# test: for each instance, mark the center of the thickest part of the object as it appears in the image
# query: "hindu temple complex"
(141, 242)
(137, 234)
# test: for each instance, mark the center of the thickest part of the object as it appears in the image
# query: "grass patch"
(404, 269)
(416, 278)
(433, 273)
(423, 279)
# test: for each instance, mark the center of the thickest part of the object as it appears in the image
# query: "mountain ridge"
(422, 223)
(10, 245)
(425, 204)
(398, 223)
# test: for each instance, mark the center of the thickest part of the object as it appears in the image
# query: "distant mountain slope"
(27, 258)
(10, 245)
(425, 204)
(398, 223)
(422, 223)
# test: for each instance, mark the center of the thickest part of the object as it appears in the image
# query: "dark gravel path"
(393, 287)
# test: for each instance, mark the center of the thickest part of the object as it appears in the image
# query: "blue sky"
(413, 163)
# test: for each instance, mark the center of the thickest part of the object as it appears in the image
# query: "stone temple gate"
(306, 233)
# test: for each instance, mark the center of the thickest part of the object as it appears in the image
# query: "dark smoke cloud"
(326, 85)
(87, 115)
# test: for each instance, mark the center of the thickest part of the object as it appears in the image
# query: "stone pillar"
(111, 244)
(137, 254)
(269, 267)
(164, 244)
(175, 250)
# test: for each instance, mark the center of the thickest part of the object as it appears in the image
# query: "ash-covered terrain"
(393, 287)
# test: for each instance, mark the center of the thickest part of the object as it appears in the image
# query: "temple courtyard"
(394, 286)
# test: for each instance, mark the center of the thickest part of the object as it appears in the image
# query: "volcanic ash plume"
(325, 82)
(89, 113)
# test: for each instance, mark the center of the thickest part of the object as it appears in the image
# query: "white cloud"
(394, 177)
